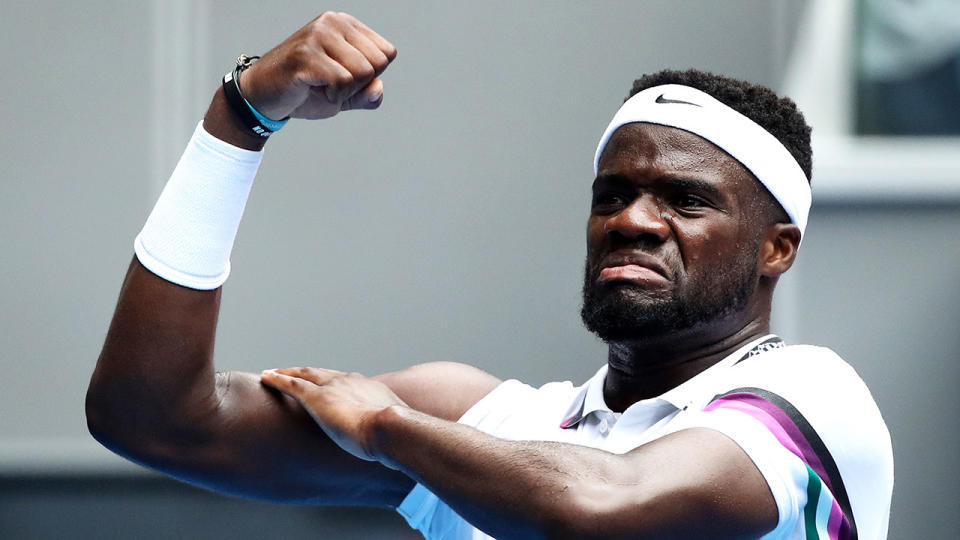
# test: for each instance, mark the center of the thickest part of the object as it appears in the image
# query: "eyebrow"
(677, 183)
(693, 184)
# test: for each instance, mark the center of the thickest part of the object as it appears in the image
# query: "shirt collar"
(589, 398)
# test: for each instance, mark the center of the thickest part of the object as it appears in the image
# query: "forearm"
(157, 360)
(509, 489)
(695, 483)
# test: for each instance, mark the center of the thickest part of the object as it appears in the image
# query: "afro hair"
(779, 116)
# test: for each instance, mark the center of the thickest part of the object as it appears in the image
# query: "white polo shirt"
(801, 413)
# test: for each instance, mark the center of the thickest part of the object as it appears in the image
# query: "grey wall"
(447, 225)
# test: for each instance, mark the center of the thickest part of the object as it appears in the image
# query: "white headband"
(760, 152)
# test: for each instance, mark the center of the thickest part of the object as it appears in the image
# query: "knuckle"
(366, 71)
(299, 56)
(342, 78)
(379, 63)
(333, 19)
(320, 24)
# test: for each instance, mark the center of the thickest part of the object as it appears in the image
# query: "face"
(673, 236)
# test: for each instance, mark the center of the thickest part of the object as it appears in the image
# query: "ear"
(779, 249)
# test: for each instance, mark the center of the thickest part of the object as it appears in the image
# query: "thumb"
(369, 97)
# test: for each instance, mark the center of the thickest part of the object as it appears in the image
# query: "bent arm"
(156, 399)
(691, 484)
(696, 483)
(155, 396)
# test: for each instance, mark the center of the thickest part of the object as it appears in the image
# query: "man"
(701, 424)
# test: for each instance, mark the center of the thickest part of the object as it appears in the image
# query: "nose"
(641, 218)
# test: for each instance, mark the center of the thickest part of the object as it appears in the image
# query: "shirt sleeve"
(813, 431)
(802, 499)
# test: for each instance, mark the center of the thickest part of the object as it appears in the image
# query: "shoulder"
(817, 390)
(815, 381)
(819, 409)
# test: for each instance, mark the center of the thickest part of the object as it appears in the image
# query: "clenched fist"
(330, 65)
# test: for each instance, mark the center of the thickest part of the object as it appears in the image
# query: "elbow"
(142, 438)
(107, 422)
(97, 411)
(109, 408)
(134, 427)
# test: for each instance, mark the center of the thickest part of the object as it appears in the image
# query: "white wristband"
(189, 235)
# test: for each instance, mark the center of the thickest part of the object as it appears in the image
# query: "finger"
(317, 376)
(326, 74)
(360, 69)
(369, 98)
(294, 387)
(385, 46)
(369, 50)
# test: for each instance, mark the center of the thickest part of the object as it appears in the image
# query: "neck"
(645, 368)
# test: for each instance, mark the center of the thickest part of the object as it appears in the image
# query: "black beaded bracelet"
(241, 107)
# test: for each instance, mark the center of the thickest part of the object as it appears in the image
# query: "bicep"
(445, 390)
(254, 442)
(258, 443)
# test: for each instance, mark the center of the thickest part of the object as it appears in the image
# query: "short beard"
(620, 312)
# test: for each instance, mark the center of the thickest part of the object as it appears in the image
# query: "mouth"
(635, 267)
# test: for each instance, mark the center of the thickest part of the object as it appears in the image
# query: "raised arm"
(155, 397)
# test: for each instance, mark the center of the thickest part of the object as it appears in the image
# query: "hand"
(343, 404)
(330, 65)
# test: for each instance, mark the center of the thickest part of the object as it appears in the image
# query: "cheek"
(703, 249)
(595, 233)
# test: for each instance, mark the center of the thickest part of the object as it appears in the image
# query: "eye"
(608, 201)
(689, 201)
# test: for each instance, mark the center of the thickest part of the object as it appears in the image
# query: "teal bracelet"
(244, 111)
(272, 125)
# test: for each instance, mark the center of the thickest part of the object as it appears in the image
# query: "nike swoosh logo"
(661, 99)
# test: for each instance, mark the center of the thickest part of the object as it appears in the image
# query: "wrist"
(387, 429)
(221, 122)
(189, 235)
(243, 110)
